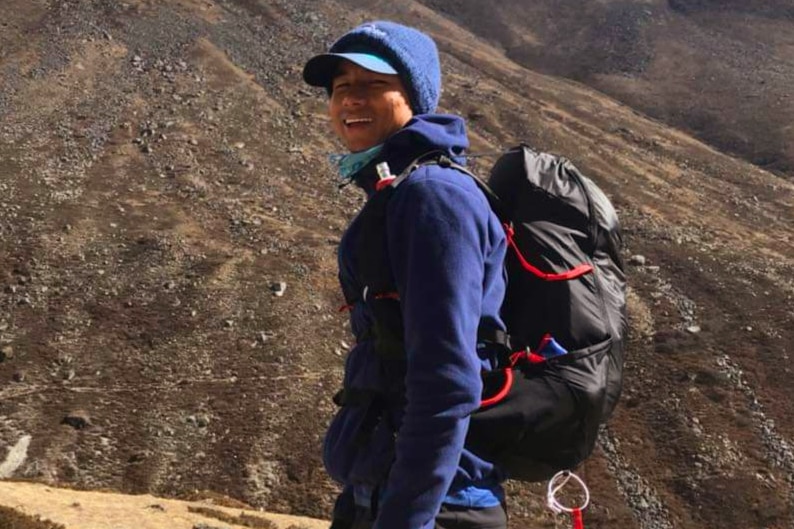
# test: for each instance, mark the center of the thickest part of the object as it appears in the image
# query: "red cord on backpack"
(573, 273)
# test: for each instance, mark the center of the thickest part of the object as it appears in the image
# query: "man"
(397, 443)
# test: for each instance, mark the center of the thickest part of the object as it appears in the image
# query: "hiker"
(397, 441)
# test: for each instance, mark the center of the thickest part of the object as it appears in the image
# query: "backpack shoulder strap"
(486, 334)
(441, 159)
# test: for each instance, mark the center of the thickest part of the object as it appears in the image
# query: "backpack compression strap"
(507, 224)
(573, 273)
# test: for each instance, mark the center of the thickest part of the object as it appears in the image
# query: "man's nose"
(356, 95)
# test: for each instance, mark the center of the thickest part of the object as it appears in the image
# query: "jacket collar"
(422, 135)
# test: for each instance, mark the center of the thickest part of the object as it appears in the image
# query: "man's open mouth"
(357, 121)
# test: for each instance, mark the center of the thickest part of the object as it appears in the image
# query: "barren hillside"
(721, 70)
(168, 302)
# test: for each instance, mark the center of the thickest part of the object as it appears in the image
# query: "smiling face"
(367, 107)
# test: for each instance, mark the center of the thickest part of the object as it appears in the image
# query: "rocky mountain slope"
(721, 70)
(168, 304)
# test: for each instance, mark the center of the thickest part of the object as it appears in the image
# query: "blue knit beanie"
(411, 53)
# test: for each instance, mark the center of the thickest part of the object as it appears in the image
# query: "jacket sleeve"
(437, 237)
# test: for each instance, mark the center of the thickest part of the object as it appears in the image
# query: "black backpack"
(562, 360)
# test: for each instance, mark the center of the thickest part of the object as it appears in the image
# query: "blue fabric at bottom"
(476, 497)
(470, 496)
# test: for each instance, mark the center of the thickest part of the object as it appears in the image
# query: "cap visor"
(320, 70)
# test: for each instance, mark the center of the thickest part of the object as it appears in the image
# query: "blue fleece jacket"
(445, 249)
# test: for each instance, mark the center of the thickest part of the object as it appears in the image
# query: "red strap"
(502, 392)
(576, 516)
(543, 341)
(515, 357)
(383, 182)
(385, 295)
(529, 356)
(535, 358)
(388, 295)
(575, 272)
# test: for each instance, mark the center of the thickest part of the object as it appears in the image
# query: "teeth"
(357, 120)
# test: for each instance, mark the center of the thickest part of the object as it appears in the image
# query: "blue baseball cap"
(320, 70)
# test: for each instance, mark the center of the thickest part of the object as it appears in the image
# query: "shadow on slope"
(14, 519)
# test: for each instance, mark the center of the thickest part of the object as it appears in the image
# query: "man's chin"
(360, 145)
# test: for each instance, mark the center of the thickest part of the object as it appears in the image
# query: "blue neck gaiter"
(349, 164)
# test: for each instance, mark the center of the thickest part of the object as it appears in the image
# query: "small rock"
(693, 329)
(6, 353)
(170, 285)
(11, 289)
(637, 260)
(279, 288)
(748, 329)
(193, 141)
(263, 337)
(78, 419)
(18, 376)
(228, 323)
